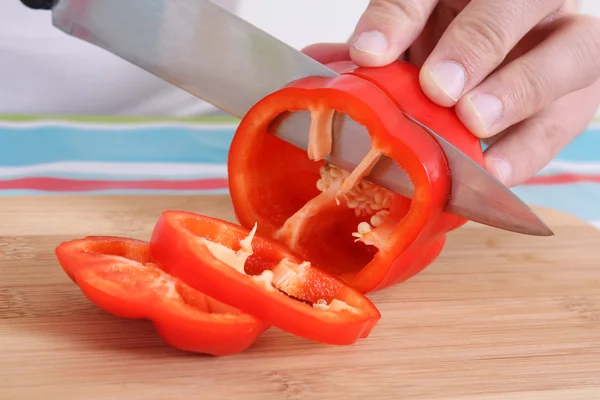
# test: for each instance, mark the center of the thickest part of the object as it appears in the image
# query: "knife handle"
(40, 4)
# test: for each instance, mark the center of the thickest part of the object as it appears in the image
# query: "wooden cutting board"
(498, 316)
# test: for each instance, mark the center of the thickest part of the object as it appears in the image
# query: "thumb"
(387, 28)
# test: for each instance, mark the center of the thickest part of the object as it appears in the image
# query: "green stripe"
(119, 119)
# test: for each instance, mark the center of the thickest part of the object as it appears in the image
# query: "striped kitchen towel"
(119, 155)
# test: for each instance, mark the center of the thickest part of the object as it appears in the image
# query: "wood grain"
(498, 316)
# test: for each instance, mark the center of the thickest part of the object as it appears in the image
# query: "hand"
(524, 75)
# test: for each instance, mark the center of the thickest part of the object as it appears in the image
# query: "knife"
(224, 60)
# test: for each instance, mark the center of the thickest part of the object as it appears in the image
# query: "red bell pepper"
(363, 234)
(400, 81)
(260, 277)
(312, 236)
(119, 276)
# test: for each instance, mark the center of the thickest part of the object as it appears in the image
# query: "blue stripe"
(24, 192)
(112, 177)
(208, 144)
(583, 149)
(165, 144)
(579, 199)
(162, 144)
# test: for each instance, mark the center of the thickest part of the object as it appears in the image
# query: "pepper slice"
(119, 276)
(260, 277)
(361, 233)
(400, 80)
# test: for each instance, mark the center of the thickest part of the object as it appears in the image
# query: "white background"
(330, 20)
(44, 71)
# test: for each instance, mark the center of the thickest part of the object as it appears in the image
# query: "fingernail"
(450, 77)
(488, 109)
(500, 168)
(371, 42)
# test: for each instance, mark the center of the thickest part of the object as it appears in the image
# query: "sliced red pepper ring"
(261, 277)
(361, 233)
(401, 78)
(119, 276)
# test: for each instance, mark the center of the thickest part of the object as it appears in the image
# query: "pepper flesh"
(321, 215)
(261, 278)
(397, 80)
(119, 276)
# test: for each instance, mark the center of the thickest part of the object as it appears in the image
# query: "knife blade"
(224, 60)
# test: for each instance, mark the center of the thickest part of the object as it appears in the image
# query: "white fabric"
(44, 71)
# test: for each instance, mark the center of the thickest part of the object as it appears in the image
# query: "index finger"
(476, 43)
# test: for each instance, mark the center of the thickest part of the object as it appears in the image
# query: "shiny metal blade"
(193, 44)
(228, 62)
(476, 194)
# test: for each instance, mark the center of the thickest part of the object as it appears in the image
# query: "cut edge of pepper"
(109, 268)
(284, 277)
(279, 103)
